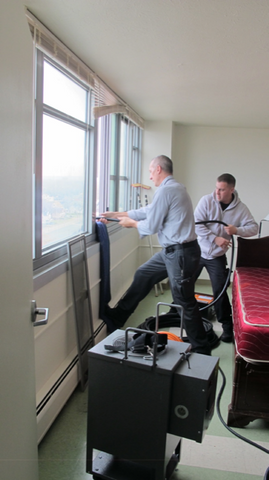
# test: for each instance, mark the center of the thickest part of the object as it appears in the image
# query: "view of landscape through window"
(63, 159)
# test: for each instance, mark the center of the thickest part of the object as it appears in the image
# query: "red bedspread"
(251, 313)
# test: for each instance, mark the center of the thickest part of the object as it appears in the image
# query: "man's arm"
(209, 233)
(246, 226)
(156, 213)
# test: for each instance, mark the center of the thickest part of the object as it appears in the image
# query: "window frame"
(56, 254)
(109, 149)
(57, 251)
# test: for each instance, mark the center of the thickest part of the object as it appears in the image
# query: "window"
(63, 157)
(118, 163)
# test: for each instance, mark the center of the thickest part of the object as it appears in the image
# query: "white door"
(18, 445)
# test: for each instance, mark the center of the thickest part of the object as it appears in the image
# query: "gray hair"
(165, 163)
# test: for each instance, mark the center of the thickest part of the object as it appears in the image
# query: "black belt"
(180, 246)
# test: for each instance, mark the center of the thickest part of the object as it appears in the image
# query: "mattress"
(250, 301)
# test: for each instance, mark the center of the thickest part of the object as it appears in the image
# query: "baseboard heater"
(56, 397)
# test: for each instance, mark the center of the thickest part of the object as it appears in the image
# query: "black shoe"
(227, 337)
(111, 327)
(109, 312)
(227, 334)
(115, 316)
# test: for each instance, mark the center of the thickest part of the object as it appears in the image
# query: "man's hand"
(231, 230)
(128, 222)
(223, 242)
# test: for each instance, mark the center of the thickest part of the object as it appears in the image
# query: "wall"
(55, 343)
(18, 447)
(204, 153)
(201, 154)
(157, 140)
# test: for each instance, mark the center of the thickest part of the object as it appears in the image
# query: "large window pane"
(63, 94)
(62, 181)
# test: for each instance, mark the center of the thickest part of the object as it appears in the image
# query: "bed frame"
(250, 393)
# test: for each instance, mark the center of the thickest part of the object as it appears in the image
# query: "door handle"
(39, 311)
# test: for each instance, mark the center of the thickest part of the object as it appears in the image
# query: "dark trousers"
(217, 271)
(180, 265)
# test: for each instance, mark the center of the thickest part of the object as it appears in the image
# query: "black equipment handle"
(108, 219)
(138, 330)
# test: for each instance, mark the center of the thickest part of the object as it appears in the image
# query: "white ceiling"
(199, 62)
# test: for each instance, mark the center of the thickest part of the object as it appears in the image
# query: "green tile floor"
(221, 455)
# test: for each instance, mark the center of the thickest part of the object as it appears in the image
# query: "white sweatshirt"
(237, 214)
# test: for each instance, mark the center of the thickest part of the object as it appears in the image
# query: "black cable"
(225, 424)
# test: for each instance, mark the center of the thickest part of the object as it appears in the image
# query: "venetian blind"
(105, 99)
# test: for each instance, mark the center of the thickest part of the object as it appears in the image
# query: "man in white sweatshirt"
(215, 239)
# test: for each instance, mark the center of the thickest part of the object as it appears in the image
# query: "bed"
(250, 303)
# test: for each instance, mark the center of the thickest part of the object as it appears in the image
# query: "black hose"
(225, 424)
(204, 222)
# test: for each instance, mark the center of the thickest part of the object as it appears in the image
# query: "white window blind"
(105, 99)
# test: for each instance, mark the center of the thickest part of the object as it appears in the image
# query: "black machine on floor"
(140, 405)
